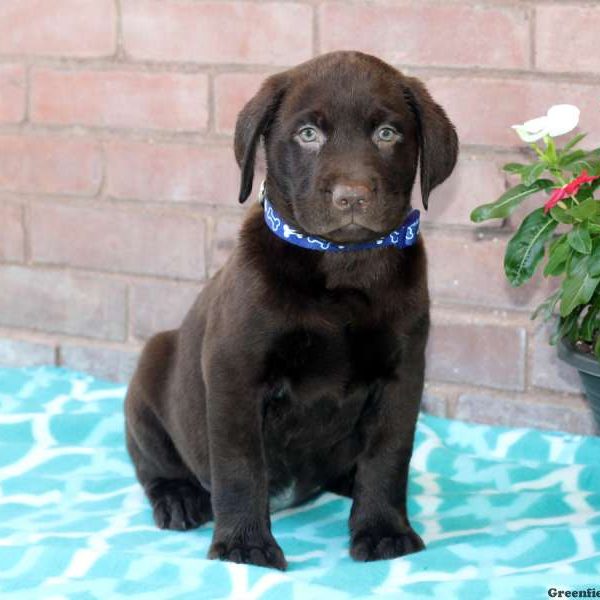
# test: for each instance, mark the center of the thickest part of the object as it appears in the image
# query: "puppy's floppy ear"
(253, 122)
(438, 142)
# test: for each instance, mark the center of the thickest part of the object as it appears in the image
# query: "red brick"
(176, 172)
(159, 306)
(486, 355)
(566, 38)
(218, 32)
(81, 28)
(114, 364)
(12, 93)
(129, 241)
(232, 91)
(120, 99)
(62, 302)
(21, 353)
(547, 370)
(458, 263)
(224, 239)
(11, 233)
(475, 180)
(482, 408)
(455, 35)
(484, 109)
(50, 165)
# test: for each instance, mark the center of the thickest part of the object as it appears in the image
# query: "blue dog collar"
(404, 236)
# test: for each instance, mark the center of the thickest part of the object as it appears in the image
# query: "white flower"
(559, 120)
(562, 118)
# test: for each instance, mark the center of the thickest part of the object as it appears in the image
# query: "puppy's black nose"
(346, 197)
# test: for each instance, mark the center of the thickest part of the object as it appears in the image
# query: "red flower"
(570, 189)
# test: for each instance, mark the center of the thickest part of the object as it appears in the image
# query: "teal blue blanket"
(505, 513)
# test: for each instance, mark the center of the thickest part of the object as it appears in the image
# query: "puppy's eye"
(386, 134)
(308, 134)
(311, 137)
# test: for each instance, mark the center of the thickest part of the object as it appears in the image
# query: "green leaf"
(590, 324)
(593, 264)
(597, 348)
(587, 209)
(547, 306)
(514, 167)
(579, 166)
(569, 158)
(531, 174)
(577, 290)
(506, 204)
(586, 161)
(567, 326)
(595, 170)
(558, 254)
(572, 329)
(573, 142)
(526, 248)
(580, 240)
(561, 215)
(577, 263)
(557, 240)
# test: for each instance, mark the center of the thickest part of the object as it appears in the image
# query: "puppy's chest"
(318, 383)
(350, 355)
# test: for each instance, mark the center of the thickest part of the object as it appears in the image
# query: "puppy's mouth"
(352, 232)
(357, 226)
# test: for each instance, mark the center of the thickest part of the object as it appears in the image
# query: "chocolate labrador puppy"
(300, 366)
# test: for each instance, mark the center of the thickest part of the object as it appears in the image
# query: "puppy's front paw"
(367, 546)
(261, 551)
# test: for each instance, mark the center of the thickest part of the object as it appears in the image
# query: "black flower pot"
(589, 371)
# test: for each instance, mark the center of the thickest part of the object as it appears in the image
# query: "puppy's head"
(343, 135)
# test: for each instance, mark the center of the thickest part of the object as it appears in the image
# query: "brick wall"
(118, 184)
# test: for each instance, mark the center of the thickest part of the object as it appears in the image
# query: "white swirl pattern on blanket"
(505, 513)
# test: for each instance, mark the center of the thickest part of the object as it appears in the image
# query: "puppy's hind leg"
(179, 504)
(178, 499)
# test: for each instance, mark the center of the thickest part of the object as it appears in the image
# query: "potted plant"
(565, 230)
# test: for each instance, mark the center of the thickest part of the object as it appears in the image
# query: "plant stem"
(538, 150)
